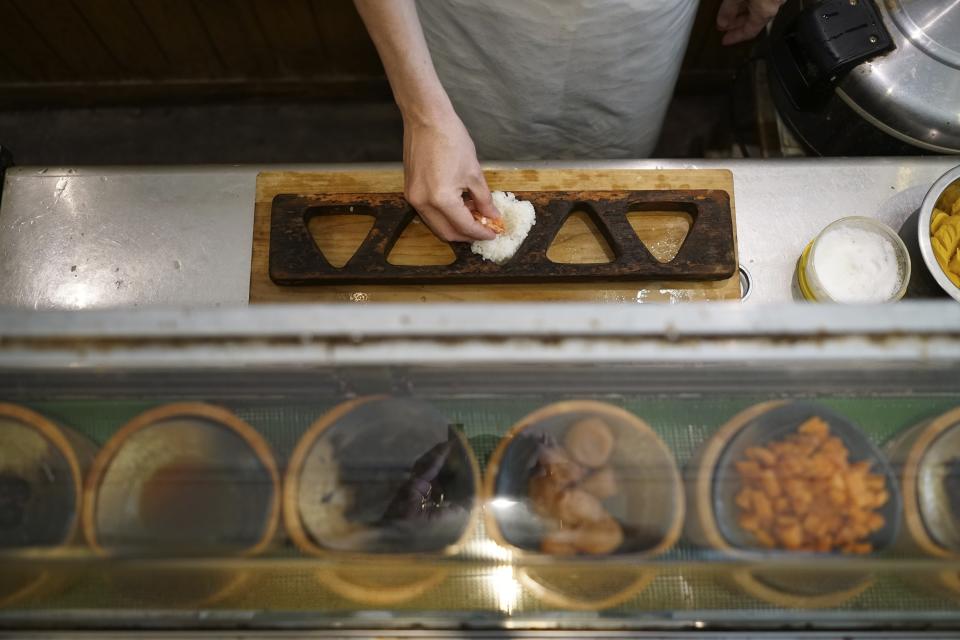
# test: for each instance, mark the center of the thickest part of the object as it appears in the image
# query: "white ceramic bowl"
(923, 231)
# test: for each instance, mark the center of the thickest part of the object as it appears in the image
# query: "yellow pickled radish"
(939, 217)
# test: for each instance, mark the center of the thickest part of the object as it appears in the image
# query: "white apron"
(559, 79)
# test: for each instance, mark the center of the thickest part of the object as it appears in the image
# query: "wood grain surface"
(102, 51)
(577, 242)
(707, 253)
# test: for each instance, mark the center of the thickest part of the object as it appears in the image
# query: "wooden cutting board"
(577, 242)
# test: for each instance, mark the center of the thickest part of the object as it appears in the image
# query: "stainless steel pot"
(923, 228)
(887, 82)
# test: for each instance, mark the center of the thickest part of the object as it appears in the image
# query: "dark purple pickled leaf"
(418, 493)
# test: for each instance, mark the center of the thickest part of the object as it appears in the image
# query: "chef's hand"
(440, 168)
(743, 20)
(439, 159)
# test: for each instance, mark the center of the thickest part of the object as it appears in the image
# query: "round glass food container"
(854, 260)
(388, 483)
(595, 466)
(42, 464)
(182, 480)
(927, 459)
(722, 519)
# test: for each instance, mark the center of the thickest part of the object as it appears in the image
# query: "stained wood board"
(575, 242)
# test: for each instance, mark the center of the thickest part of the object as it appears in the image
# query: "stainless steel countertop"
(104, 237)
(924, 335)
(97, 238)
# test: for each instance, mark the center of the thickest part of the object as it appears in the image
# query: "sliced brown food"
(559, 543)
(559, 467)
(589, 442)
(576, 506)
(602, 484)
(600, 537)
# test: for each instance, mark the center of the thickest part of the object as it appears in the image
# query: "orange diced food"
(803, 493)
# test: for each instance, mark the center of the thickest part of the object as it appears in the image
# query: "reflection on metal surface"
(78, 239)
(75, 295)
(183, 236)
(924, 142)
(931, 25)
(923, 334)
(911, 93)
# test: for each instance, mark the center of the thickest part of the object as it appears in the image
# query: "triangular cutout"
(339, 235)
(662, 232)
(579, 241)
(417, 246)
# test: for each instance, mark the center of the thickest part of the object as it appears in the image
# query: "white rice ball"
(518, 218)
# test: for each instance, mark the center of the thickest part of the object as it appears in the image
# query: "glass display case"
(448, 470)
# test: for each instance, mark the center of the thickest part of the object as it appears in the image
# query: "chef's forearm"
(395, 29)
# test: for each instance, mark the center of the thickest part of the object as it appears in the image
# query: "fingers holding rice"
(517, 218)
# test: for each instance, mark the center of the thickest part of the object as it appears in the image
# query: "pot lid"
(913, 92)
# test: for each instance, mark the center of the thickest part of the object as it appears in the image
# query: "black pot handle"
(823, 44)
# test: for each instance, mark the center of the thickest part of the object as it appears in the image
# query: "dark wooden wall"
(708, 66)
(109, 50)
(103, 51)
